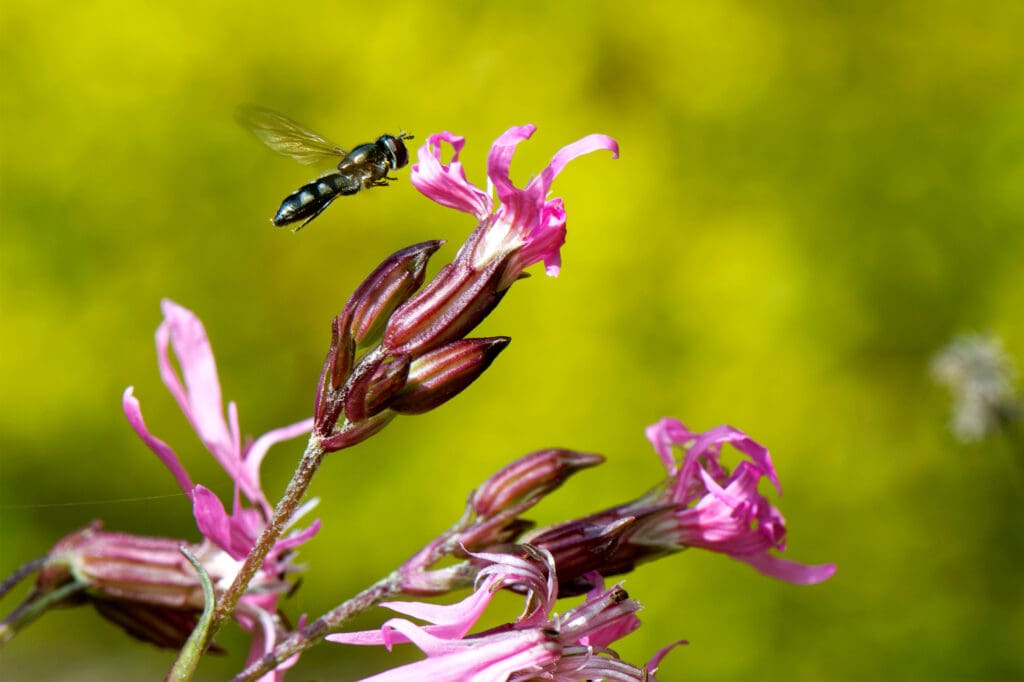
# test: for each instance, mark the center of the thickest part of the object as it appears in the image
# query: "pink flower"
(527, 227)
(720, 511)
(540, 644)
(700, 504)
(197, 391)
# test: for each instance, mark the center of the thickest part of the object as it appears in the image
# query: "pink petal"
(264, 640)
(199, 396)
(664, 435)
(213, 522)
(586, 145)
(133, 412)
(790, 571)
(489, 659)
(258, 450)
(652, 665)
(446, 183)
(499, 163)
(542, 236)
(462, 615)
(708, 445)
(297, 538)
(450, 621)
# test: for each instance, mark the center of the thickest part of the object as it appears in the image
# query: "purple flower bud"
(387, 287)
(371, 392)
(352, 434)
(449, 307)
(142, 584)
(337, 366)
(529, 478)
(596, 544)
(440, 375)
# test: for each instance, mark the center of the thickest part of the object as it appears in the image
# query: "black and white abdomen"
(308, 201)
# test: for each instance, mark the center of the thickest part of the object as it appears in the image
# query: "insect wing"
(286, 137)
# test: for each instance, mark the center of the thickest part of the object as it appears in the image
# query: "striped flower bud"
(529, 478)
(448, 308)
(387, 287)
(337, 366)
(144, 584)
(440, 375)
(371, 392)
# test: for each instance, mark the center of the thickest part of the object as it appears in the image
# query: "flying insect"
(364, 167)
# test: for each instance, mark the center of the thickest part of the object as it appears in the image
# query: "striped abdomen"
(308, 201)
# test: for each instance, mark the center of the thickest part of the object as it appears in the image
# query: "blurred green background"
(811, 200)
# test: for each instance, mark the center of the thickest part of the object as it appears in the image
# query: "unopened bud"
(143, 584)
(529, 478)
(449, 307)
(337, 365)
(440, 375)
(387, 287)
(352, 434)
(371, 393)
(600, 543)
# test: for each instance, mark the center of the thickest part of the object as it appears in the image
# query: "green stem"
(188, 658)
(34, 606)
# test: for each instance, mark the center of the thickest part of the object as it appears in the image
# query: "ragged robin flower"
(526, 227)
(539, 645)
(415, 354)
(145, 584)
(197, 391)
(699, 504)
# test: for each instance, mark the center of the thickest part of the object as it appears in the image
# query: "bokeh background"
(811, 200)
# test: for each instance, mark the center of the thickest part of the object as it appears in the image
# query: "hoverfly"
(365, 166)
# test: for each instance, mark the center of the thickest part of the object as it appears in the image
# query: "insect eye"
(398, 151)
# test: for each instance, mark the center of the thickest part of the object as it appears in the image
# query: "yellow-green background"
(812, 198)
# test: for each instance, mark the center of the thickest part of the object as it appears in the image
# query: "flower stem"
(188, 658)
(453, 577)
(33, 607)
(314, 632)
(283, 512)
(25, 570)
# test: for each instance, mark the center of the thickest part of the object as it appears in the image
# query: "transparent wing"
(287, 137)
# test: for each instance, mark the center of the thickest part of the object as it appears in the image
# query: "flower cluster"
(401, 345)
(421, 358)
(144, 584)
(540, 644)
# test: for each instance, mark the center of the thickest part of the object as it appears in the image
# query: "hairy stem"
(314, 632)
(454, 577)
(301, 479)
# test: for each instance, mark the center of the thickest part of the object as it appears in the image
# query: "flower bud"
(442, 374)
(600, 543)
(449, 307)
(351, 434)
(337, 365)
(143, 584)
(371, 392)
(529, 478)
(387, 287)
